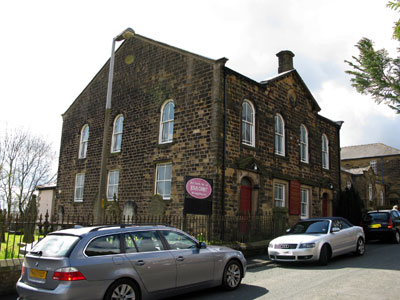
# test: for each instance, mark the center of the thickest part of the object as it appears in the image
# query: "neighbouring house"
(252, 147)
(366, 183)
(46, 200)
(381, 160)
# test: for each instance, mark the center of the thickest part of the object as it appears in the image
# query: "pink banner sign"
(198, 188)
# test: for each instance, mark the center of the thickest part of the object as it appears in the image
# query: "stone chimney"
(285, 61)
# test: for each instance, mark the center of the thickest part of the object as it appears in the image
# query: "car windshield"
(377, 217)
(55, 245)
(310, 227)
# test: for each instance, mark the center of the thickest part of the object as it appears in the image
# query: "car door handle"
(140, 263)
(180, 258)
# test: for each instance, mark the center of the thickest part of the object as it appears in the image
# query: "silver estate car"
(318, 240)
(125, 262)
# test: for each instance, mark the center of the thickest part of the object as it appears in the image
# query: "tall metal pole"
(101, 195)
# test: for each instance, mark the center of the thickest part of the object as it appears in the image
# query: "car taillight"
(390, 225)
(68, 274)
(23, 270)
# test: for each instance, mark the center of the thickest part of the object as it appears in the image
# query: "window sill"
(247, 146)
(164, 145)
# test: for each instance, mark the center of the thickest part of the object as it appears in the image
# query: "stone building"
(385, 163)
(46, 199)
(368, 186)
(176, 114)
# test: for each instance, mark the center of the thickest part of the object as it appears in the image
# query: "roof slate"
(369, 150)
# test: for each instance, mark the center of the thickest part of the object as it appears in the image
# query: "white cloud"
(52, 49)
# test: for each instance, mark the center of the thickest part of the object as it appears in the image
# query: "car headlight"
(307, 245)
(271, 245)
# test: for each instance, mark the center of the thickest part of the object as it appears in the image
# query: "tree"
(375, 73)
(26, 162)
(350, 206)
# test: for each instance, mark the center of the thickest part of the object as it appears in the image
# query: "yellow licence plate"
(375, 226)
(37, 273)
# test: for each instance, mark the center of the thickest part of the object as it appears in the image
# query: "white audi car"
(319, 240)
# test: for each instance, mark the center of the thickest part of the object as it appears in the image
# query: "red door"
(324, 205)
(245, 200)
(245, 204)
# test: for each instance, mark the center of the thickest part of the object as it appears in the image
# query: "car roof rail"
(97, 228)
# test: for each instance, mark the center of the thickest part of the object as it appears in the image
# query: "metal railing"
(19, 234)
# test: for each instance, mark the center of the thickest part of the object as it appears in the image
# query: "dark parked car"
(383, 225)
(125, 262)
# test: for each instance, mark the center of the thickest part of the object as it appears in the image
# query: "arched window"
(325, 152)
(303, 144)
(117, 134)
(84, 141)
(248, 124)
(167, 122)
(279, 135)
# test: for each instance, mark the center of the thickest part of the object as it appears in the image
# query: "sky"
(50, 50)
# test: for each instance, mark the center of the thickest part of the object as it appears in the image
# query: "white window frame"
(79, 187)
(167, 122)
(279, 136)
(304, 203)
(325, 152)
(166, 179)
(112, 184)
(304, 144)
(248, 124)
(381, 198)
(373, 165)
(370, 192)
(279, 194)
(83, 141)
(116, 141)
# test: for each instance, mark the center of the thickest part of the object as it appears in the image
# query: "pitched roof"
(287, 73)
(356, 171)
(370, 150)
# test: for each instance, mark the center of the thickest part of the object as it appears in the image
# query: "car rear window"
(55, 245)
(379, 217)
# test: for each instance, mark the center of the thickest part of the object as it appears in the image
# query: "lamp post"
(101, 197)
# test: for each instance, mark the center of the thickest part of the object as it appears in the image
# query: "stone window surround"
(325, 151)
(252, 125)
(162, 123)
(113, 185)
(83, 141)
(285, 185)
(116, 133)
(309, 201)
(79, 185)
(304, 143)
(156, 179)
(279, 135)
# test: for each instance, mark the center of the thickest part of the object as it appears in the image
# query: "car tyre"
(232, 275)
(123, 289)
(396, 237)
(360, 250)
(324, 256)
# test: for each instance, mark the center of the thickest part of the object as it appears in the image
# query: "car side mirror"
(335, 229)
(201, 245)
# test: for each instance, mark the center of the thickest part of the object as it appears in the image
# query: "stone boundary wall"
(10, 271)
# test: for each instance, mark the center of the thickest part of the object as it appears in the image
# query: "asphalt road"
(373, 276)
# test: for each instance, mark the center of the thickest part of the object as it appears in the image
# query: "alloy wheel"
(233, 275)
(360, 246)
(123, 292)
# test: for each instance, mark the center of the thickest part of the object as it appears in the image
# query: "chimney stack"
(285, 61)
